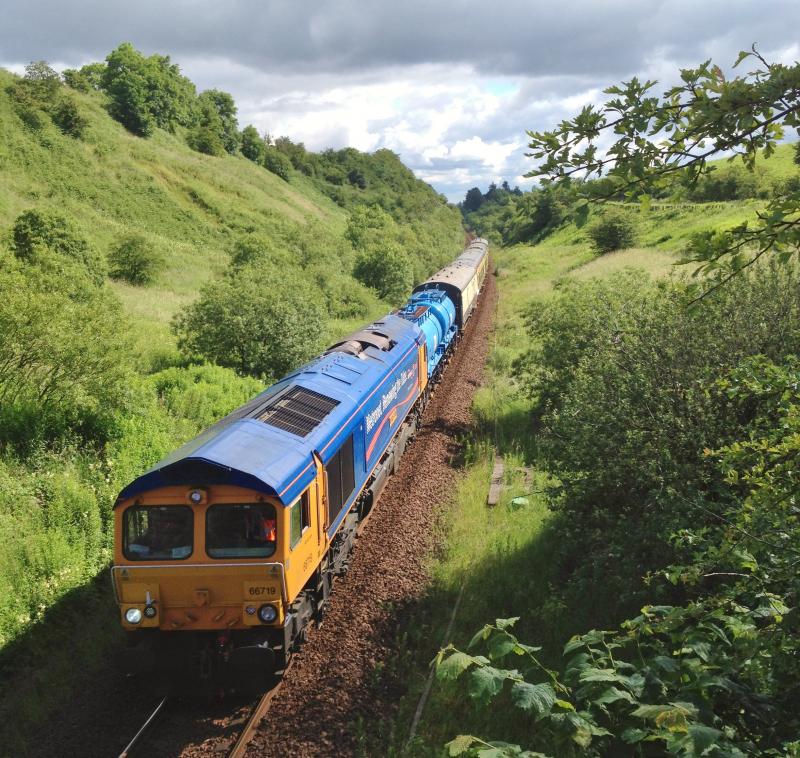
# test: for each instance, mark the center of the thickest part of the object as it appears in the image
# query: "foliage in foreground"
(716, 675)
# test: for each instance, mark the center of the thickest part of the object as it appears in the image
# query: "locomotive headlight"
(267, 613)
(150, 611)
(133, 615)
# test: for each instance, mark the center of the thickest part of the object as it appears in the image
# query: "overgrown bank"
(148, 287)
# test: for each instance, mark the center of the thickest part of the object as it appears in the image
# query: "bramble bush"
(135, 260)
(614, 230)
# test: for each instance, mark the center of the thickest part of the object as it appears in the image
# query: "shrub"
(342, 295)
(63, 359)
(253, 146)
(202, 394)
(257, 320)
(276, 162)
(624, 371)
(50, 240)
(136, 260)
(614, 230)
(67, 117)
(225, 124)
(209, 135)
(254, 248)
(388, 271)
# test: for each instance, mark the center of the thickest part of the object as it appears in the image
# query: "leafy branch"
(678, 133)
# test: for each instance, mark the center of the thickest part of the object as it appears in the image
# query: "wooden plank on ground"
(497, 481)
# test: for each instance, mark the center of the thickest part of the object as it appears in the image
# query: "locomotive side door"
(320, 506)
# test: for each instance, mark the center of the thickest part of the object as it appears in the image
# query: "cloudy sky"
(450, 85)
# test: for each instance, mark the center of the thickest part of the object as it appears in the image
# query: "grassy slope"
(189, 205)
(500, 556)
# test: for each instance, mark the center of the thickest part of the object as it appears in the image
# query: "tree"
(369, 226)
(135, 260)
(388, 270)
(473, 200)
(85, 79)
(206, 136)
(706, 116)
(253, 147)
(146, 93)
(258, 321)
(42, 81)
(276, 162)
(533, 215)
(225, 107)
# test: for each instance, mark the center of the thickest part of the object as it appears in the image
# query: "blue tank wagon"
(462, 279)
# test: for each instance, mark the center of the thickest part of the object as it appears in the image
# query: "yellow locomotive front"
(212, 561)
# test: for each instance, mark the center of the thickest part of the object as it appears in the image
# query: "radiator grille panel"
(298, 411)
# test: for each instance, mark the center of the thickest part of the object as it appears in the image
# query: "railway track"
(243, 740)
(140, 744)
(148, 725)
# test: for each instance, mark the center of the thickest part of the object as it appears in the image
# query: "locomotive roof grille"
(298, 411)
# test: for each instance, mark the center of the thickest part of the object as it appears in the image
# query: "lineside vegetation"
(666, 416)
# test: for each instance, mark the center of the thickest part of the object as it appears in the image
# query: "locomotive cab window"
(249, 530)
(298, 519)
(158, 533)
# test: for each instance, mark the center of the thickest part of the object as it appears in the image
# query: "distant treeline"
(510, 216)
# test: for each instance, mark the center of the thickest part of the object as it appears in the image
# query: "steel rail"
(243, 740)
(143, 730)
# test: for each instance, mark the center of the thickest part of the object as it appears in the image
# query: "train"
(225, 552)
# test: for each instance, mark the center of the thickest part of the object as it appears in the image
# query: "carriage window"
(298, 518)
(241, 531)
(158, 533)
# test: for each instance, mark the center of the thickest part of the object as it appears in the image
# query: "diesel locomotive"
(226, 550)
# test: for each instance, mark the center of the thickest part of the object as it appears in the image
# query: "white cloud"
(450, 87)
